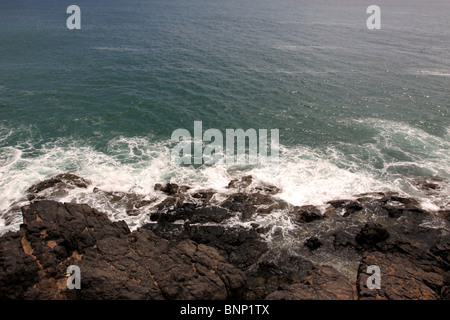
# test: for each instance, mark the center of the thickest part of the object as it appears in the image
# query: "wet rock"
(171, 188)
(347, 207)
(241, 183)
(429, 185)
(344, 239)
(250, 204)
(305, 214)
(204, 196)
(371, 234)
(273, 271)
(56, 186)
(313, 243)
(321, 283)
(188, 211)
(130, 202)
(267, 189)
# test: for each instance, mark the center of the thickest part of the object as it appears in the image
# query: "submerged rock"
(56, 186)
(305, 214)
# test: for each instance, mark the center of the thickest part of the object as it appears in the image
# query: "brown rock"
(56, 186)
(401, 278)
(114, 263)
(305, 214)
(322, 283)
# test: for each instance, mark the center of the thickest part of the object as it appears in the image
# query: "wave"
(438, 73)
(393, 160)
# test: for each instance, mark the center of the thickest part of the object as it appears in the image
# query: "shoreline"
(240, 247)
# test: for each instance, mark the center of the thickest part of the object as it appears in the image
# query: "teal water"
(358, 110)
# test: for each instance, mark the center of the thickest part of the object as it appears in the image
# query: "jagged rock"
(194, 249)
(305, 214)
(347, 207)
(371, 234)
(322, 283)
(240, 246)
(428, 185)
(192, 212)
(442, 249)
(204, 196)
(273, 271)
(249, 204)
(115, 264)
(313, 243)
(56, 186)
(18, 268)
(131, 202)
(344, 239)
(171, 188)
(242, 183)
(245, 181)
(401, 278)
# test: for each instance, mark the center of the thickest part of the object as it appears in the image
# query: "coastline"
(203, 246)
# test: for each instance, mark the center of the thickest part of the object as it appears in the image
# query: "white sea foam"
(438, 73)
(305, 175)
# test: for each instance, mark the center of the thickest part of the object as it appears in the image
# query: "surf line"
(194, 150)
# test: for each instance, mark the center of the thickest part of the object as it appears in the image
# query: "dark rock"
(115, 264)
(56, 186)
(131, 202)
(442, 249)
(171, 188)
(242, 183)
(240, 246)
(267, 189)
(305, 214)
(273, 271)
(322, 283)
(343, 239)
(445, 214)
(401, 278)
(19, 270)
(172, 210)
(371, 234)
(429, 185)
(204, 195)
(313, 243)
(347, 206)
(250, 204)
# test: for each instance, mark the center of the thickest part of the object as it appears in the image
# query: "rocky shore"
(244, 244)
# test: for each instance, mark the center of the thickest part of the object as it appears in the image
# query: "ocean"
(357, 110)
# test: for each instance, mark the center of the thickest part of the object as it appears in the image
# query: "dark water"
(358, 110)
